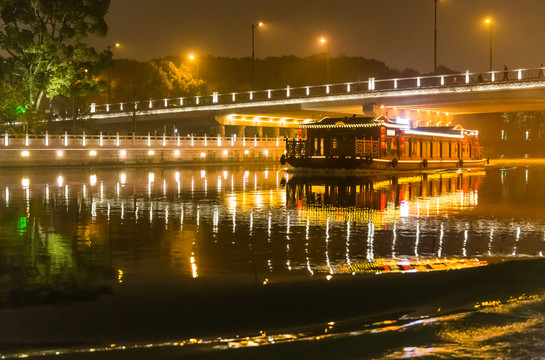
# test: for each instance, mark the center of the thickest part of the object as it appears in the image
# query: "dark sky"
(398, 32)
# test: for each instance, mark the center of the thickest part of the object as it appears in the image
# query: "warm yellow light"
(260, 24)
(25, 153)
(488, 21)
(117, 44)
(176, 152)
(60, 153)
(122, 153)
(225, 152)
(203, 154)
(151, 152)
(266, 152)
(246, 152)
(25, 182)
(191, 57)
(323, 40)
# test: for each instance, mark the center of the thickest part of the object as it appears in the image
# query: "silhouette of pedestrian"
(505, 73)
(540, 73)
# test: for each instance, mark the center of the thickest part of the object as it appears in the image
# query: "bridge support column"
(259, 131)
(240, 130)
(220, 130)
(276, 132)
(292, 133)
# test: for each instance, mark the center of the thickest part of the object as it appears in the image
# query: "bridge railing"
(303, 92)
(136, 141)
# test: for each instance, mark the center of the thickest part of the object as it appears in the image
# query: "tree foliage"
(46, 52)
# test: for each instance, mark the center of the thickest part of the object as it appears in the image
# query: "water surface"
(224, 260)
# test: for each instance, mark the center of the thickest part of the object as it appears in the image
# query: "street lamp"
(435, 37)
(327, 55)
(488, 21)
(110, 75)
(259, 24)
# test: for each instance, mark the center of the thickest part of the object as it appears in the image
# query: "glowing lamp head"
(260, 23)
(323, 40)
(488, 21)
(192, 57)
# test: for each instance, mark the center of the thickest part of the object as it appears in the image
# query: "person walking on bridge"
(505, 73)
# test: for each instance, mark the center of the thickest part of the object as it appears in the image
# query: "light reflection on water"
(72, 235)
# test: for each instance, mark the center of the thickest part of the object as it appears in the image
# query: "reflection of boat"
(381, 144)
(382, 198)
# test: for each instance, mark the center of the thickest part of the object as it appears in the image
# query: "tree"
(44, 41)
(177, 80)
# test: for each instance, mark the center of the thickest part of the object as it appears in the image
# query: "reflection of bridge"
(421, 99)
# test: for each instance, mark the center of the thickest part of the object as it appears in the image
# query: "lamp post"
(259, 24)
(489, 22)
(110, 75)
(435, 37)
(327, 55)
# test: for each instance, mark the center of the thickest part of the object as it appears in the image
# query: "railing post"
(178, 139)
(83, 142)
(26, 139)
(371, 83)
(255, 140)
(492, 76)
(117, 139)
(164, 139)
(308, 90)
(65, 138)
(46, 138)
(6, 139)
(327, 89)
(100, 140)
(288, 91)
(205, 141)
(192, 141)
(442, 80)
(467, 76)
(149, 139)
(219, 139)
(395, 83)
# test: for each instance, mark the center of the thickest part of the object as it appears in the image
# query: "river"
(256, 262)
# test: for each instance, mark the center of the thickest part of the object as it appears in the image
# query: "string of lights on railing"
(490, 80)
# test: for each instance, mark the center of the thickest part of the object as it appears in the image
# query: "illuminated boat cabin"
(379, 143)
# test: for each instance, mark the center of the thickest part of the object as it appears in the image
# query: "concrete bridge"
(431, 100)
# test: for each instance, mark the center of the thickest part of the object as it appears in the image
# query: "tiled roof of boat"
(346, 122)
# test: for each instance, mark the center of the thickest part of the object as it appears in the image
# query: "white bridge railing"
(44, 141)
(303, 92)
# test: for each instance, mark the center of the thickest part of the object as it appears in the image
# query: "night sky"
(398, 32)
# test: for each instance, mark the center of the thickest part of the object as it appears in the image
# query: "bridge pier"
(240, 130)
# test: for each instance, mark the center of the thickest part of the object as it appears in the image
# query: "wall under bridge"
(99, 150)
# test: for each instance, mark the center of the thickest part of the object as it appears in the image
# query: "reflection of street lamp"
(327, 54)
(489, 22)
(110, 75)
(193, 59)
(253, 48)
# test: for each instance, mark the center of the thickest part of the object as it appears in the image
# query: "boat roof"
(381, 120)
(349, 122)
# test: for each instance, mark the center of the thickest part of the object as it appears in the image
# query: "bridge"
(423, 100)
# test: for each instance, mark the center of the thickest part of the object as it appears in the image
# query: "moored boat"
(377, 143)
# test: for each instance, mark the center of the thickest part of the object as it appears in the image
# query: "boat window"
(334, 143)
